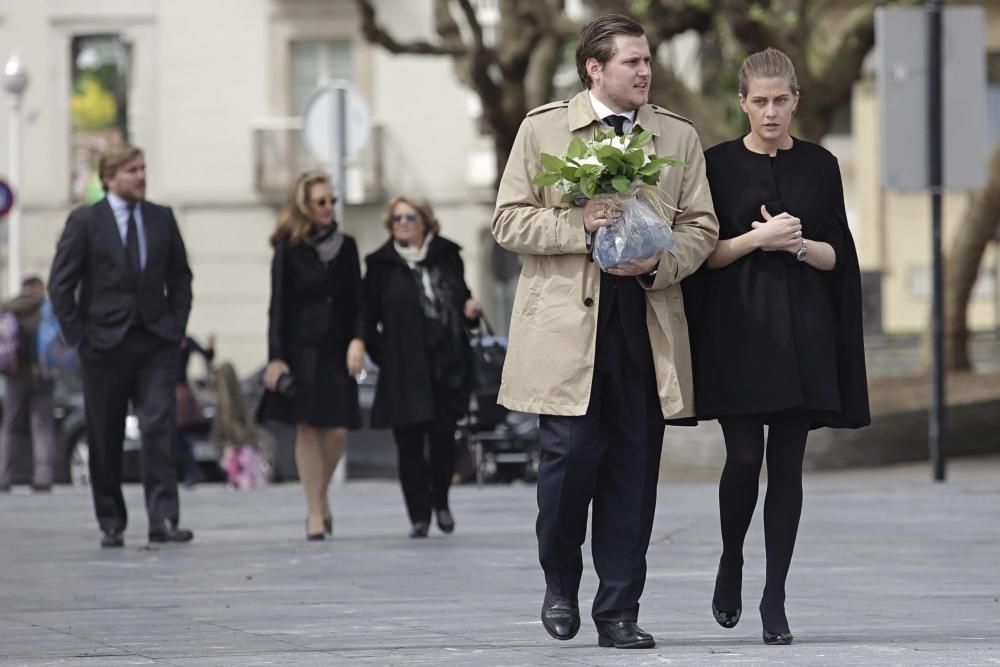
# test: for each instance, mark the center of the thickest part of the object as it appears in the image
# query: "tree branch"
(470, 16)
(377, 34)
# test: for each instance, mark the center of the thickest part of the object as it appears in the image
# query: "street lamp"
(15, 80)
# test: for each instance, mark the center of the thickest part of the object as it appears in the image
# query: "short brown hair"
(597, 40)
(113, 159)
(768, 64)
(422, 206)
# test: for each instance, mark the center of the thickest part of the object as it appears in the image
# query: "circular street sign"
(6, 198)
(321, 119)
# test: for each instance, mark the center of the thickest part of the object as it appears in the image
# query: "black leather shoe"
(623, 634)
(112, 539)
(560, 616)
(328, 526)
(727, 605)
(777, 639)
(315, 537)
(776, 632)
(446, 522)
(169, 534)
(420, 529)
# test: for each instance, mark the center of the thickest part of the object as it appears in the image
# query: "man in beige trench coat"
(602, 357)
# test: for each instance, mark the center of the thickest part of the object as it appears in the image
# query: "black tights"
(786, 443)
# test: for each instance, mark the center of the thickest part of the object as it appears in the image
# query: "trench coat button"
(588, 302)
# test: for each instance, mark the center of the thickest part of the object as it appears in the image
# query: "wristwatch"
(803, 251)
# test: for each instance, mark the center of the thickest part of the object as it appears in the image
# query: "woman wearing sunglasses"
(315, 339)
(418, 310)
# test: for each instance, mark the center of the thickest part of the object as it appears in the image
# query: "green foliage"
(606, 165)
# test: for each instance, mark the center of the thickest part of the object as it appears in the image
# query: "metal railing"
(280, 156)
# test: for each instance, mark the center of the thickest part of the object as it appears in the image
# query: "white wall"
(203, 73)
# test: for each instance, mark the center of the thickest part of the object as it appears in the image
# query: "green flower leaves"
(605, 165)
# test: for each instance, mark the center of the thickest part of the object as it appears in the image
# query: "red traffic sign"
(6, 198)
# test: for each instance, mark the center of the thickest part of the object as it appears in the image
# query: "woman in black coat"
(775, 323)
(418, 310)
(315, 339)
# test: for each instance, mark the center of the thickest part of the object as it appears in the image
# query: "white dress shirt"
(602, 110)
(120, 208)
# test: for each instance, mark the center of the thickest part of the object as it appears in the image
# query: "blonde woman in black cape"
(315, 339)
(775, 318)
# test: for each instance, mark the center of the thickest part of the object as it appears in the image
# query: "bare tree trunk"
(962, 269)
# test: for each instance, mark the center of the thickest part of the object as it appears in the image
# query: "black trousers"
(142, 368)
(426, 457)
(610, 456)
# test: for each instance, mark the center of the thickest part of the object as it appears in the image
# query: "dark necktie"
(617, 122)
(132, 244)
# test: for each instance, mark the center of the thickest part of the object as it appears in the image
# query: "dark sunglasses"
(323, 201)
(400, 218)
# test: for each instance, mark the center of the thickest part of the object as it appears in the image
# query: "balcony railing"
(280, 156)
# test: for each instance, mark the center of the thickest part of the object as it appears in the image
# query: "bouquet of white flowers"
(618, 170)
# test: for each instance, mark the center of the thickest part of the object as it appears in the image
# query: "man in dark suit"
(121, 288)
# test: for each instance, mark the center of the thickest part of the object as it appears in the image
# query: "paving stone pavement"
(890, 568)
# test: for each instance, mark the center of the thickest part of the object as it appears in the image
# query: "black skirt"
(326, 396)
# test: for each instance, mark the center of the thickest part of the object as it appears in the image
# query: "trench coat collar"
(581, 114)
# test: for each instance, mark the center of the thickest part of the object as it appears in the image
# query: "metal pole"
(340, 150)
(938, 444)
(339, 155)
(14, 216)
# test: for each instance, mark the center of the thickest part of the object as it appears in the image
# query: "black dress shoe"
(112, 539)
(167, 533)
(560, 616)
(446, 522)
(623, 634)
(315, 537)
(420, 529)
(727, 605)
(776, 632)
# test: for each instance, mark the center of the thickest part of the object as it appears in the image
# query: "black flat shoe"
(782, 639)
(446, 522)
(169, 534)
(419, 529)
(560, 616)
(112, 539)
(776, 632)
(623, 634)
(727, 578)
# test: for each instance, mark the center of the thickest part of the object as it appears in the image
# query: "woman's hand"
(355, 357)
(275, 369)
(473, 309)
(777, 233)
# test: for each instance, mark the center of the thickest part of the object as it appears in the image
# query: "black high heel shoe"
(776, 632)
(328, 526)
(725, 617)
(314, 537)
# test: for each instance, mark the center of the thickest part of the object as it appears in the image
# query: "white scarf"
(413, 255)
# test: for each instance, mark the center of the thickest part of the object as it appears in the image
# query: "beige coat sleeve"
(523, 221)
(696, 228)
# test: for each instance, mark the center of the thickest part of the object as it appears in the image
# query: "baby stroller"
(503, 444)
